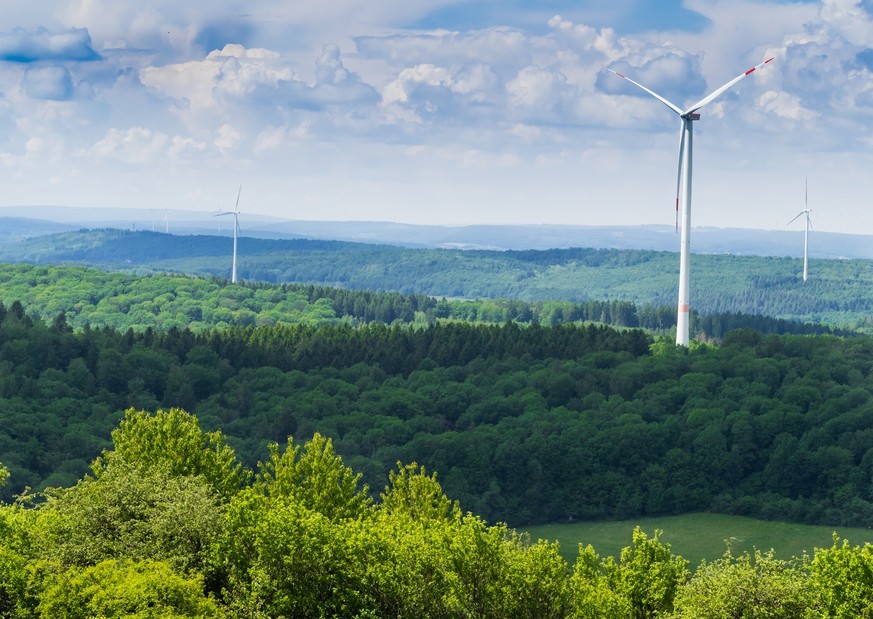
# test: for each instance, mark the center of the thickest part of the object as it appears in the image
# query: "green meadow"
(699, 536)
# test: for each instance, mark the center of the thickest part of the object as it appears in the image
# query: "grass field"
(698, 536)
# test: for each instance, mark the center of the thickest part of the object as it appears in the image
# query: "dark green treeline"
(524, 425)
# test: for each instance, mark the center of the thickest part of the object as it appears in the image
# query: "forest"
(837, 293)
(169, 523)
(351, 453)
(123, 300)
(525, 424)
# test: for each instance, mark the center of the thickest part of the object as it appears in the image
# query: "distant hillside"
(839, 293)
(737, 241)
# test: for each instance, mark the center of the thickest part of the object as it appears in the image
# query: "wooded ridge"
(837, 294)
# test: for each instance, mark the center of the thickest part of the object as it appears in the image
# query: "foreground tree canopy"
(170, 524)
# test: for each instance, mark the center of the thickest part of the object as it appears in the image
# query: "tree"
(316, 477)
(841, 578)
(413, 493)
(642, 585)
(755, 586)
(132, 512)
(172, 441)
(593, 596)
(17, 547)
(135, 589)
(286, 560)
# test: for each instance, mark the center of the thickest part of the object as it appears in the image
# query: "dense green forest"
(838, 292)
(124, 301)
(525, 424)
(531, 411)
(170, 524)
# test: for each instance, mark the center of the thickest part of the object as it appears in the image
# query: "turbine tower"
(806, 211)
(683, 188)
(235, 213)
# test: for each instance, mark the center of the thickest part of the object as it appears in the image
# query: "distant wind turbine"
(167, 220)
(806, 211)
(683, 188)
(235, 213)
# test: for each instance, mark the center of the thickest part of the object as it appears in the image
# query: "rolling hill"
(839, 292)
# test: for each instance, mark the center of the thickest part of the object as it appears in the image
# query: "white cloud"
(784, 105)
(228, 138)
(136, 145)
(340, 87)
(270, 139)
(536, 89)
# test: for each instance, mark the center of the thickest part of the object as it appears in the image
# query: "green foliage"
(594, 596)
(409, 558)
(525, 424)
(135, 589)
(648, 575)
(133, 512)
(172, 442)
(287, 560)
(316, 478)
(73, 297)
(756, 586)
(17, 547)
(414, 494)
(841, 578)
(144, 539)
(642, 585)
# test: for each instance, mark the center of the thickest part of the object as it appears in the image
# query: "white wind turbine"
(235, 214)
(683, 188)
(806, 211)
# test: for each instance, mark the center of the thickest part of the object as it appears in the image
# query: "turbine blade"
(682, 130)
(809, 220)
(224, 213)
(708, 98)
(237, 198)
(675, 108)
(795, 217)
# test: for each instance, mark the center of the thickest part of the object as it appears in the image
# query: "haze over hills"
(739, 241)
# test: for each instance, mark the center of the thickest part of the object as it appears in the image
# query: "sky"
(441, 112)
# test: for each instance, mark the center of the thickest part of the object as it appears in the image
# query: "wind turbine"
(806, 211)
(683, 188)
(235, 213)
(167, 220)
